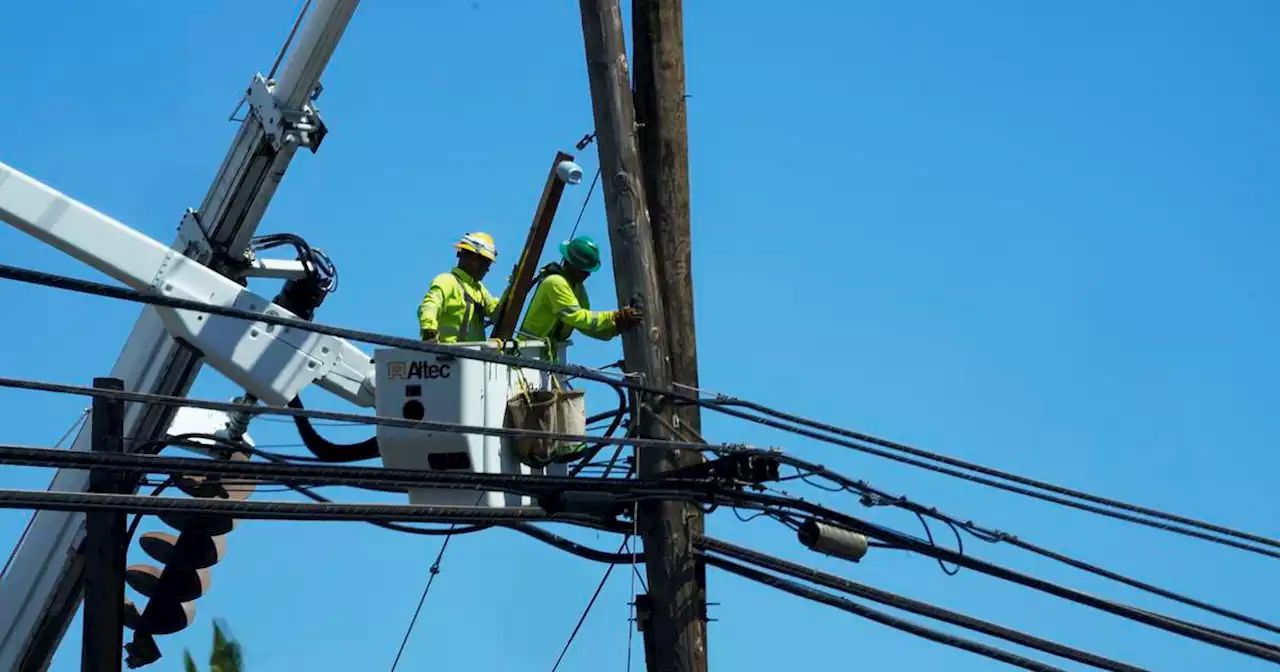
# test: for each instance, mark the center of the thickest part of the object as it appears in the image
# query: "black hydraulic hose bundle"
(328, 451)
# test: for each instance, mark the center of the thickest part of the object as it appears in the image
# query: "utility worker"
(559, 306)
(457, 303)
(560, 303)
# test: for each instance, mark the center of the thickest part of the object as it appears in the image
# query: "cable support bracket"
(283, 126)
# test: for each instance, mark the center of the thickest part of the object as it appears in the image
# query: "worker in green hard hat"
(560, 304)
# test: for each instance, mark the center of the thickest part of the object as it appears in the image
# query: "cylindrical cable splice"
(603, 504)
(832, 540)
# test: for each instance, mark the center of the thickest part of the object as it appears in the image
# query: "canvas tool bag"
(558, 410)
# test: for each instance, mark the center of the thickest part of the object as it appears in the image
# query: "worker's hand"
(428, 334)
(627, 317)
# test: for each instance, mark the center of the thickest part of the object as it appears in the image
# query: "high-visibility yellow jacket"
(456, 306)
(557, 309)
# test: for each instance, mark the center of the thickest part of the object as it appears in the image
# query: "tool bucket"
(559, 411)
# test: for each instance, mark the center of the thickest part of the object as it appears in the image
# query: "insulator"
(832, 540)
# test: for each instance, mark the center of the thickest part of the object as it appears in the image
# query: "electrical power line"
(386, 421)
(75, 425)
(386, 513)
(590, 603)
(365, 512)
(875, 497)
(432, 572)
(635, 574)
(878, 616)
(585, 201)
(794, 424)
(376, 477)
(277, 510)
(1008, 476)
(906, 604)
(1205, 634)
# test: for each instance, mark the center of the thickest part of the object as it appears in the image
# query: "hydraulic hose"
(328, 451)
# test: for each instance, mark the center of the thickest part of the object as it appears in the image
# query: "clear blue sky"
(1039, 236)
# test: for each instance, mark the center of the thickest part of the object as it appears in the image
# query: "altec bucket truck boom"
(40, 586)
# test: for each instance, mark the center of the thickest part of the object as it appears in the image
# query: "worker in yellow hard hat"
(560, 304)
(457, 303)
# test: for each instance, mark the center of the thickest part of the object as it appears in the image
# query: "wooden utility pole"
(104, 549)
(675, 632)
(657, 28)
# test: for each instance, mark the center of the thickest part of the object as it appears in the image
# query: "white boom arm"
(40, 585)
(270, 362)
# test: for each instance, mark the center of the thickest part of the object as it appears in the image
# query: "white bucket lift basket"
(417, 385)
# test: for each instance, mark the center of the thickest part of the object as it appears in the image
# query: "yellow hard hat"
(480, 243)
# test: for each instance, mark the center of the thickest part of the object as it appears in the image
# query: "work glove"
(627, 317)
(428, 334)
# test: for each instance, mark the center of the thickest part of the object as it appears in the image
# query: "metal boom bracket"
(280, 124)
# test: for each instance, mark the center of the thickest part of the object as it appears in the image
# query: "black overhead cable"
(1034, 494)
(376, 477)
(259, 410)
(276, 510)
(906, 604)
(432, 572)
(585, 201)
(590, 603)
(1008, 476)
(907, 542)
(13, 553)
(875, 497)
(878, 616)
(794, 424)
(1141, 585)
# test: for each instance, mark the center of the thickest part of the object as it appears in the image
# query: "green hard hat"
(581, 253)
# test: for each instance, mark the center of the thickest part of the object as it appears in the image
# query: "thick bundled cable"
(386, 421)
(708, 544)
(377, 477)
(778, 420)
(275, 510)
(878, 616)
